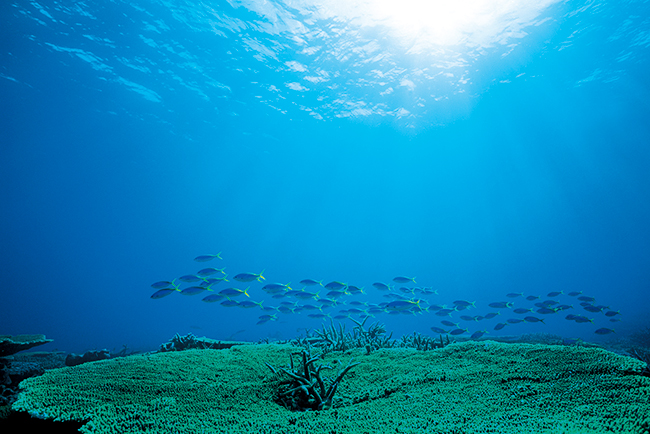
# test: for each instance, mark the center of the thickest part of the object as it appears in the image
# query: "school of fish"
(335, 300)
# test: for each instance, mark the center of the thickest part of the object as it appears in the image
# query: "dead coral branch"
(306, 388)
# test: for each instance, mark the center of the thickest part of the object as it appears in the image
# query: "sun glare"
(452, 22)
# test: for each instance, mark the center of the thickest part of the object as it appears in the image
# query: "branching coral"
(306, 389)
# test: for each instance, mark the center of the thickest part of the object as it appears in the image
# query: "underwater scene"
(325, 216)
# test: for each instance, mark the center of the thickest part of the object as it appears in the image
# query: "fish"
(355, 289)
(582, 319)
(439, 330)
(311, 282)
(445, 312)
(563, 307)
(574, 293)
(381, 286)
(212, 298)
(229, 303)
(212, 281)
(500, 305)
(303, 295)
(604, 331)
(189, 278)
(612, 313)
(336, 286)
(336, 294)
(273, 288)
(514, 320)
(406, 290)
(533, 319)
(554, 293)
(193, 290)
(209, 271)
(478, 334)
(593, 309)
(457, 332)
(587, 298)
(500, 326)
(234, 292)
(521, 310)
(247, 304)
(449, 323)
(463, 303)
(162, 284)
(267, 318)
(327, 302)
(514, 294)
(545, 310)
(162, 293)
(401, 305)
(491, 315)
(249, 277)
(402, 279)
(468, 318)
(206, 258)
(532, 297)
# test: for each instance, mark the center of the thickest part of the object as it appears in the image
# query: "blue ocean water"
(484, 148)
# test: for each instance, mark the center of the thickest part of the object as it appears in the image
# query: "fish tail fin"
(218, 255)
(259, 303)
(260, 276)
(246, 292)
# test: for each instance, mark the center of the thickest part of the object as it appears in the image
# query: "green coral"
(469, 388)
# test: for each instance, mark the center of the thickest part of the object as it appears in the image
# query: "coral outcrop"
(12, 344)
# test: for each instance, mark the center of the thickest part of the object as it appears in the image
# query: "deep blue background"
(534, 185)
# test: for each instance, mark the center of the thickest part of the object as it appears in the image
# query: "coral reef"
(13, 370)
(12, 344)
(306, 389)
(191, 342)
(73, 359)
(472, 387)
(331, 338)
(423, 343)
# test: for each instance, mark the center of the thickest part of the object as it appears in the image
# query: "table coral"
(469, 388)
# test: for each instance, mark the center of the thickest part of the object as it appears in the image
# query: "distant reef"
(469, 387)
